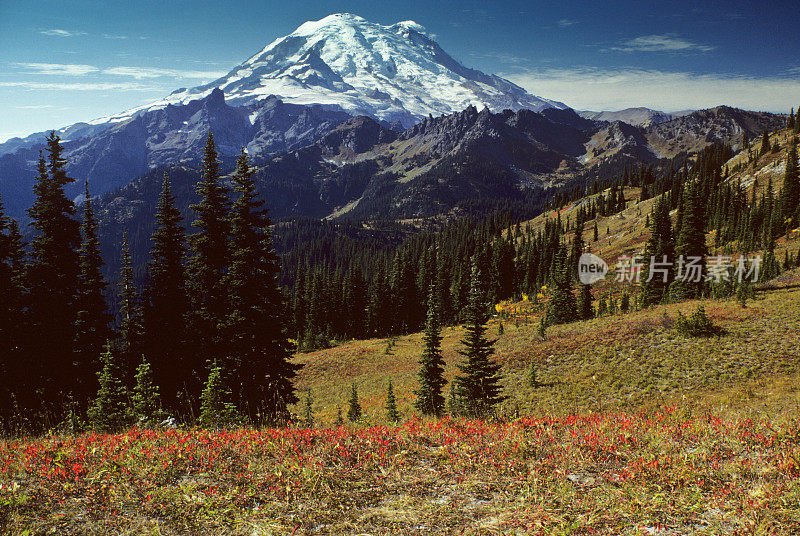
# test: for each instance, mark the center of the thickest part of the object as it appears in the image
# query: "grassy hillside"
(622, 362)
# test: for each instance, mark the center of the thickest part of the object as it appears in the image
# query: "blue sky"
(63, 62)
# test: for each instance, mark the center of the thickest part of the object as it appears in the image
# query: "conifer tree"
(691, 244)
(478, 387)
(166, 304)
(11, 312)
(109, 412)
(576, 251)
(146, 400)
(430, 400)
(660, 248)
(209, 257)
(563, 306)
(52, 282)
(585, 309)
(216, 409)
(354, 409)
(93, 319)
(259, 350)
(308, 419)
(392, 415)
(765, 145)
(130, 310)
(790, 193)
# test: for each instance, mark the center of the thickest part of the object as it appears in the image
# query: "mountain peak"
(395, 73)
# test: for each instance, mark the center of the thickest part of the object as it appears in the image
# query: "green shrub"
(697, 325)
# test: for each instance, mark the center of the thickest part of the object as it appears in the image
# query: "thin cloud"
(87, 86)
(614, 89)
(564, 23)
(660, 43)
(110, 36)
(64, 69)
(35, 107)
(150, 72)
(509, 59)
(139, 73)
(58, 32)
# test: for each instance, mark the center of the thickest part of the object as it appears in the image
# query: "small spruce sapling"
(354, 411)
(392, 415)
(216, 409)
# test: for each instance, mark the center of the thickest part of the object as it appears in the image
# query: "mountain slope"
(395, 73)
(172, 135)
(640, 117)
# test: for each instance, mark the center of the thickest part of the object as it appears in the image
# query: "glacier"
(395, 73)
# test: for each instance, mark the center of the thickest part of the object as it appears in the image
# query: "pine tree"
(392, 415)
(109, 412)
(790, 193)
(430, 400)
(130, 310)
(478, 386)
(765, 145)
(11, 313)
(166, 305)
(209, 258)
(585, 310)
(660, 248)
(339, 420)
(146, 400)
(308, 419)
(216, 409)
(354, 411)
(52, 281)
(92, 324)
(563, 306)
(691, 245)
(256, 332)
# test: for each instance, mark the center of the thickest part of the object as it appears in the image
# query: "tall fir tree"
(585, 309)
(52, 280)
(209, 256)
(92, 324)
(790, 192)
(563, 305)
(430, 400)
(130, 329)
(690, 248)
(166, 306)
(660, 248)
(478, 386)
(259, 350)
(11, 314)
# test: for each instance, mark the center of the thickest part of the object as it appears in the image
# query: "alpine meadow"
(354, 285)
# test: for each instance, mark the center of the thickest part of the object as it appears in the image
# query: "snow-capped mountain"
(395, 73)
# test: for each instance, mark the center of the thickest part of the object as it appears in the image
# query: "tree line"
(209, 315)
